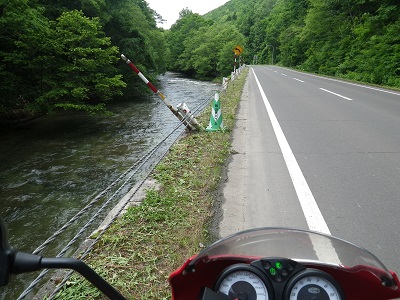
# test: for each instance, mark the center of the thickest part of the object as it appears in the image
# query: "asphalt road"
(318, 153)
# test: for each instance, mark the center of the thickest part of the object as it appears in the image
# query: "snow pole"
(189, 121)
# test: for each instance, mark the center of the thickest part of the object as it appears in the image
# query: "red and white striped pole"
(191, 124)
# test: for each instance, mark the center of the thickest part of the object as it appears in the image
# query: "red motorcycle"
(259, 264)
(281, 263)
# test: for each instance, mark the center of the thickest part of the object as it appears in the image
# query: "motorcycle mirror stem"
(5, 254)
(15, 262)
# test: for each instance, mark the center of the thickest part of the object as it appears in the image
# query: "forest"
(65, 54)
(352, 39)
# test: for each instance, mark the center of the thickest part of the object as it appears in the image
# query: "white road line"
(298, 79)
(283, 74)
(341, 96)
(311, 211)
(349, 83)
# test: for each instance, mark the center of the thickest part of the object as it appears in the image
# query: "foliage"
(84, 63)
(151, 240)
(202, 48)
(355, 39)
(132, 27)
(362, 44)
(40, 71)
(249, 18)
(183, 30)
(65, 54)
(283, 27)
(25, 36)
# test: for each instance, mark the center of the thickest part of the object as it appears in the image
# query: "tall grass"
(150, 240)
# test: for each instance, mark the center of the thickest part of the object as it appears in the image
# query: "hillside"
(353, 39)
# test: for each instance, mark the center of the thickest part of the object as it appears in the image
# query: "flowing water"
(51, 170)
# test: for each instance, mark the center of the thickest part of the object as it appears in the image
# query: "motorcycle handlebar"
(14, 262)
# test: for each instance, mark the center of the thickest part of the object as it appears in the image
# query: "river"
(50, 170)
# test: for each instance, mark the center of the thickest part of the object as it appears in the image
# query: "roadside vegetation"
(353, 39)
(151, 240)
(65, 54)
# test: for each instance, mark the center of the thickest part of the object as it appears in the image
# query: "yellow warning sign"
(238, 50)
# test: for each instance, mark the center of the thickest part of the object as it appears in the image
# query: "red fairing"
(186, 286)
(175, 278)
(361, 284)
(357, 282)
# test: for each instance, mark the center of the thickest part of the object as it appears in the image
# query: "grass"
(151, 240)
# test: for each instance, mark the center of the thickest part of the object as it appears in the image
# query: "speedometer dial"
(313, 284)
(244, 282)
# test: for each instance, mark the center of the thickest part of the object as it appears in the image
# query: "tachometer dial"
(313, 284)
(244, 282)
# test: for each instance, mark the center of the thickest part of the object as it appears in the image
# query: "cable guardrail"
(133, 170)
(143, 160)
(91, 246)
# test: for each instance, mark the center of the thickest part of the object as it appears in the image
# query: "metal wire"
(91, 246)
(132, 171)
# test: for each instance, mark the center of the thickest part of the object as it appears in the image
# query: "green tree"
(374, 54)
(356, 39)
(132, 27)
(201, 47)
(321, 34)
(63, 54)
(283, 28)
(184, 29)
(55, 8)
(49, 64)
(210, 54)
(26, 58)
(85, 77)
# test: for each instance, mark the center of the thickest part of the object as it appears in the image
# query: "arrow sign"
(238, 50)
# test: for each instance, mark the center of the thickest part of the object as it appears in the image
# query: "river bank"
(150, 240)
(52, 170)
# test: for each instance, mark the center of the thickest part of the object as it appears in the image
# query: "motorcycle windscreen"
(299, 245)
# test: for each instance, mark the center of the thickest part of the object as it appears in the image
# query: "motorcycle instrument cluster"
(268, 279)
(244, 282)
